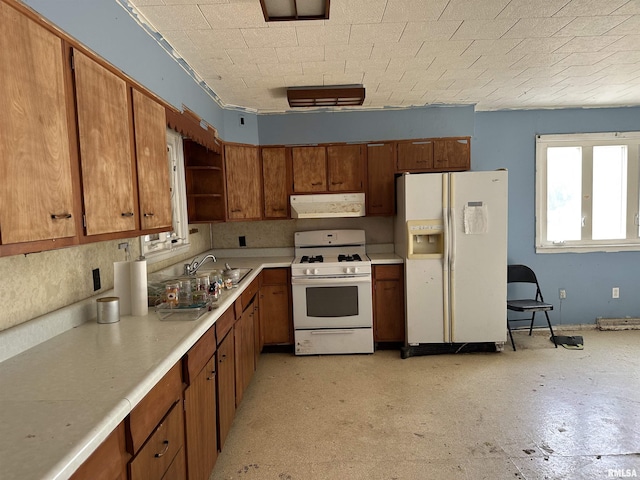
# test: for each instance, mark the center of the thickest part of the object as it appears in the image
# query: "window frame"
(587, 141)
(165, 245)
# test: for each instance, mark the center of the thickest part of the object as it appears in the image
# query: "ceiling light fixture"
(326, 96)
(283, 10)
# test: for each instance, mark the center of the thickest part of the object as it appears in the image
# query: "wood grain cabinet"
(152, 164)
(36, 184)
(276, 321)
(381, 179)
(244, 186)
(388, 303)
(226, 383)
(108, 461)
(345, 164)
(415, 155)
(309, 169)
(155, 430)
(102, 101)
(201, 429)
(276, 178)
(204, 175)
(452, 153)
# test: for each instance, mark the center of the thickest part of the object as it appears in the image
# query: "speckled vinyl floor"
(536, 413)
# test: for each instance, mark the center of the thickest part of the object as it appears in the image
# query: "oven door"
(340, 302)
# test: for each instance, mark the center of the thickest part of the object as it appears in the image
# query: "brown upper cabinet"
(204, 172)
(242, 167)
(151, 157)
(309, 169)
(105, 148)
(434, 155)
(452, 153)
(346, 168)
(415, 155)
(380, 178)
(275, 182)
(36, 181)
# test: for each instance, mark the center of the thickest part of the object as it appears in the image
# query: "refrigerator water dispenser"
(426, 239)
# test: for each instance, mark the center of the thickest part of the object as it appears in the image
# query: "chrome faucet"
(192, 268)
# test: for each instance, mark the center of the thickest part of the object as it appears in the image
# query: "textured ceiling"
(494, 54)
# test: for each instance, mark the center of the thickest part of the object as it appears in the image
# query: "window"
(587, 192)
(161, 246)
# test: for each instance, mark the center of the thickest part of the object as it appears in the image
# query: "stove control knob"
(316, 271)
(355, 269)
(307, 271)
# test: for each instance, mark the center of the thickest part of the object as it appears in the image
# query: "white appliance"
(451, 229)
(331, 291)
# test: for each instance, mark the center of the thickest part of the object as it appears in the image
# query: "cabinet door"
(309, 169)
(244, 351)
(346, 168)
(388, 301)
(275, 181)
(36, 193)
(275, 315)
(244, 199)
(225, 356)
(380, 179)
(200, 423)
(151, 159)
(452, 153)
(416, 155)
(105, 148)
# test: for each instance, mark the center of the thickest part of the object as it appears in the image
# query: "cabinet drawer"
(152, 408)
(275, 276)
(387, 272)
(198, 356)
(250, 292)
(224, 324)
(159, 452)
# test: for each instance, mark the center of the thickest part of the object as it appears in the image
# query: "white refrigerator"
(451, 230)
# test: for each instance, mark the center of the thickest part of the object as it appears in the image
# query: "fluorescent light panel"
(283, 10)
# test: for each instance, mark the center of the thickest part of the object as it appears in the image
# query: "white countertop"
(60, 399)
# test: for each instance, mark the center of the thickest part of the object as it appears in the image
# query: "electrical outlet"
(242, 241)
(563, 293)
(615, 292)
(96, 279)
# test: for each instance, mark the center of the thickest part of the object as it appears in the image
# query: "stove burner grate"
(313, 259)
(349, 258)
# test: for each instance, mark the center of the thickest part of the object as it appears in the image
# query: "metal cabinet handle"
(278, 209)
(127, 214)
(316, 184)
(149, 214)
(236, 210)
(336, 183)
(166, 447)
(60, 216)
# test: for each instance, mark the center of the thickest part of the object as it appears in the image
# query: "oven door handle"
(342, 331)
(331, 280)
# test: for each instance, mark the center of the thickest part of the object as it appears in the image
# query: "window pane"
(564, 192)
(609, 192)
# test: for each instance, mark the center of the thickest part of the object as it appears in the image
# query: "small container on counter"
(202, 282)
(108, 309)
(172, 294)
(185, 292)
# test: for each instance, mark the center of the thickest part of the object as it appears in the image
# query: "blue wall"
(507, 139)
(500, 139)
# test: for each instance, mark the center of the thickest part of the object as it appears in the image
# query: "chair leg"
(511, 336)
(553, 336)
(531, 326)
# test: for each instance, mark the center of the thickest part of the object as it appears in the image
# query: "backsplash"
(279, 233)
(39, 283)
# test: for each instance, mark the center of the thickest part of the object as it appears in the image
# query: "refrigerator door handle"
(452, 254)
(445, 260)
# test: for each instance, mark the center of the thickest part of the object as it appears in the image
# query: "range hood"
(327, 205)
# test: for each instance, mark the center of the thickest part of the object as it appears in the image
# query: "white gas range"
(332, 297)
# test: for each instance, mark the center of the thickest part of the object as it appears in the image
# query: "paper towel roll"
(122, 285)
(139, 295)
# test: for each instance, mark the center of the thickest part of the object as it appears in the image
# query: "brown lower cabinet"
(226, 380)
(388, 303)
(276, 320)
(199, 368)
(108, 462)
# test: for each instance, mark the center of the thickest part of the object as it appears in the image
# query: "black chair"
(523, 274)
